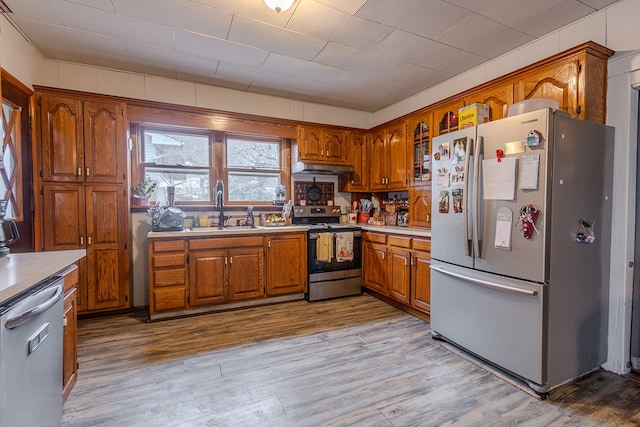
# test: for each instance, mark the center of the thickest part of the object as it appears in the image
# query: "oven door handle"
(314, 235)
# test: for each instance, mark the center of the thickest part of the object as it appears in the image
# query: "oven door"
(316, 266)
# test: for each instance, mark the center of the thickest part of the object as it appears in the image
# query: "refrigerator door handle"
(469, 153)
(478, 151)
(492, 285)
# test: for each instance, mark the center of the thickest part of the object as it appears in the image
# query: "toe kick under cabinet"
(190, 275)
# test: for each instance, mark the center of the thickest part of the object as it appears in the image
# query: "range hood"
(320, 168)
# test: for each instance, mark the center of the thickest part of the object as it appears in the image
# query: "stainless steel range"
(334, 253)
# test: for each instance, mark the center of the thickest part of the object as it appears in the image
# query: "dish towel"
(324, 247)
(344, 246)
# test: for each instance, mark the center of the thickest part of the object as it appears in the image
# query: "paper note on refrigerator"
(529, 172)
(499, 179)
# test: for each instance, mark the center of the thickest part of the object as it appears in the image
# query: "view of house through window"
(184, 160)
(253, 169)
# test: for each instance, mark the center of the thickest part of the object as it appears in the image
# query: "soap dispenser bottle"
(250, 221)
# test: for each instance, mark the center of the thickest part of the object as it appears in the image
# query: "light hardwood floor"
(347, 362)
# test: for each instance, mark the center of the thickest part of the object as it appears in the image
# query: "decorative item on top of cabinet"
(320, 144)
(420, 208)
(357, 155)
(388, 161)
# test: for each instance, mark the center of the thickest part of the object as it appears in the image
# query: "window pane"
(172, 148)
(252, 186)
(246, 153)
(190, 185)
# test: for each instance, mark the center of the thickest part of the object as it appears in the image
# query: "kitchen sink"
(228, 228)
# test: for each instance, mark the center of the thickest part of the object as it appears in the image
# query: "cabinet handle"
(87, 172)
(383, 255)
(64, 321)
(231, 261)
(269, 244)
(322, 152)
(88, 240)
(327, 153)
(79, 172)
(405, 262)
(225, 260)
(82, 240)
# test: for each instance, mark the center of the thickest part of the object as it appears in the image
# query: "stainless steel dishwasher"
(31, 334)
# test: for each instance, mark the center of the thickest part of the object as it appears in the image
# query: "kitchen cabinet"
(357, 155)
(321, 144)
(82, 140)
(226, 269)
(499, 97)
(70, 333)
(445, 117)
(286, 264)
(91, 217)
(167, 275)
(420, 207)
(81, 167)
(396, 267)
(419, 143)
(388, 164)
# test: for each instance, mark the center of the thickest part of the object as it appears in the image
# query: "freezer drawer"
(496, 318)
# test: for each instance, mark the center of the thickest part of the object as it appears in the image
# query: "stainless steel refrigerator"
(521, 225)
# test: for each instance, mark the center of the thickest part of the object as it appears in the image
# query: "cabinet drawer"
(402, 242)
(169, 246)
(168, 260)
(376, 237)
(225, 242)
(71, 279)
(169, 298)
(422, 245)
(170, 277)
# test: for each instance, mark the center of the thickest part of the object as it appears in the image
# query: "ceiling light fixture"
(279, 5)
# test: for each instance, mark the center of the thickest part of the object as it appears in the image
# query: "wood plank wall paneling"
(352, 361)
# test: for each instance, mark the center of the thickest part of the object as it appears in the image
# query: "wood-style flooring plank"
(347, 362)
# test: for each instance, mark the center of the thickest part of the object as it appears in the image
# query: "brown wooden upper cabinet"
(419, 132)
(82, 141)
(321, 144)
(388, 161)
(357, 155)
(498, 97)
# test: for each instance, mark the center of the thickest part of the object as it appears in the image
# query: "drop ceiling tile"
(336, 26)
(253, 76)
(191, 65)
(508, 12)
(483, 37)
(33, 11)
(296, 67)
(428, 18)
(348, 6)
(155, 55)
(275, 39)
(190, 16)
(554, 17)
(598, 4)
(212, 48)
(114, 25)
(97, 4)
(346, 58)
(414, 49)
(461, 63)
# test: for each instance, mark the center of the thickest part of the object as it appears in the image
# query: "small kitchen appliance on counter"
(166, 219)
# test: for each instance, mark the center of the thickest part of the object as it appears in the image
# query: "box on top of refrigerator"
(473, 115)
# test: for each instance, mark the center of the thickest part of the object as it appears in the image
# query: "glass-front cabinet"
(419, 142)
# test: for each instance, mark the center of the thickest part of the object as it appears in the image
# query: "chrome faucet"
(219, 190)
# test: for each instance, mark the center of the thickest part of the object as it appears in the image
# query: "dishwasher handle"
(25, 316)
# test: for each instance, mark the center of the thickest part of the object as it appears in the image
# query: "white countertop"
(22, 270)
(213, 232)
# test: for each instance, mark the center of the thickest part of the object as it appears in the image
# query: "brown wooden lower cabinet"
(70, 336)
(397, 267)
(194, 273)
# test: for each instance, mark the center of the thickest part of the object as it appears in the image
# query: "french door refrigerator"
(521, 225)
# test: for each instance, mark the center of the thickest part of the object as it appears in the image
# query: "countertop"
(213, 232)
(20, 271)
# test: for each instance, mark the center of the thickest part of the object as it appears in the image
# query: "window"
(178, 159)
(10, 170)
(253, 168)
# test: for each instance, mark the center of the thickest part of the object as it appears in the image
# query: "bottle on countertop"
(195, 222)
(250, 221)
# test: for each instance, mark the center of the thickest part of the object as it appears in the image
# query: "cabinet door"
(445, 118)
(420, 208)
(62, 143)
(378, 162)
(69, 343)
(399, 274)
(105, 139)
(421, 281)
(286, 264)
(207, 277)
(499, 98)
(246, 273)
(64, 217)
(356, 156)
(374, 266)
(335, 143)
(396, 154)
(555, 81)
(107, 247)
(419, 149)
(310, 144)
